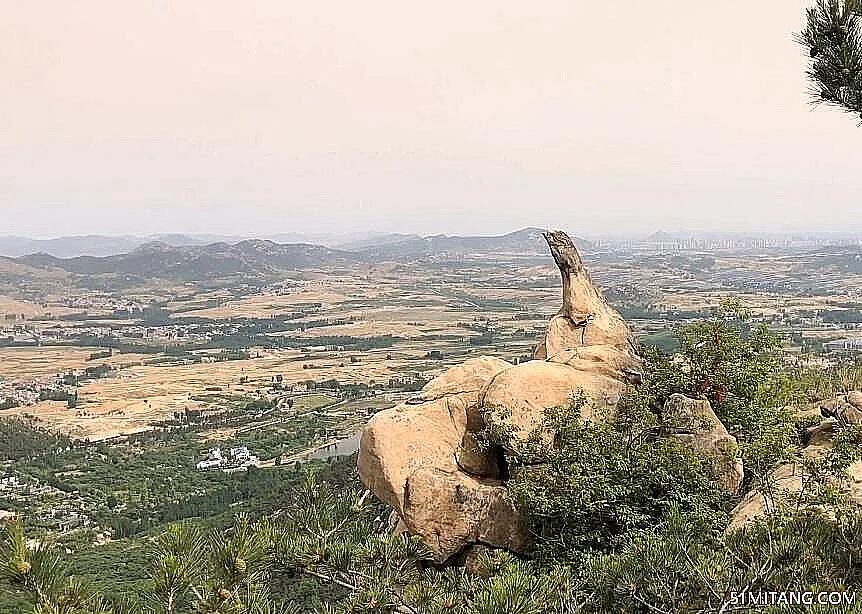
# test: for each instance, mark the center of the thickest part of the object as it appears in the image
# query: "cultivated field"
(366, 325)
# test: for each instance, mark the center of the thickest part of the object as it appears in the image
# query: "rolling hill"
(188, 263)
(525, 241)
(263, 258)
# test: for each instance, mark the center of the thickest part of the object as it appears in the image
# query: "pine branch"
(404, 608)
(833, 36)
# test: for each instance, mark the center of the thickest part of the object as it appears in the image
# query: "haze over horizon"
(332, 117)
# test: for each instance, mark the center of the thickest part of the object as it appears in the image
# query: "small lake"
(343, 447)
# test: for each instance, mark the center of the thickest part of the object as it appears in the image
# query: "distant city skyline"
(608, 118)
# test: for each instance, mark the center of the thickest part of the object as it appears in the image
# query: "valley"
(135, 379)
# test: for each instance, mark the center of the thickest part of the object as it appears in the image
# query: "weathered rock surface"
(694, 423)
(518, 396)
(450, 511)
(425, 432)
(585, 319)
(423, 458)
(470, 377)
(845, 407)
(787, 482)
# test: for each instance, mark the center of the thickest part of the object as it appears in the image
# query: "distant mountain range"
(67, 247)
(197, 262)
(255, 257)
(102, 245)
(95, 245)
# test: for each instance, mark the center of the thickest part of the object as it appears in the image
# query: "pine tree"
(833, 38)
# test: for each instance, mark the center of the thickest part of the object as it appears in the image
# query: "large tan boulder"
(693, 422)
(423, 433)
(398, 441)
(518, 397)
(450, 511)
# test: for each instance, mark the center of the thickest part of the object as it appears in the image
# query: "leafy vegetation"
(601, 484)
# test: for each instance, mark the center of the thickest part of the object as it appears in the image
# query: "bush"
(601, 483)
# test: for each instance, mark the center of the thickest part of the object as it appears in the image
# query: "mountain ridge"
(263, 257)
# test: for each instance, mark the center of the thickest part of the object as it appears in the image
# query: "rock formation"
(695, 424)
(789, 480)
(421, 456)
(585, 319)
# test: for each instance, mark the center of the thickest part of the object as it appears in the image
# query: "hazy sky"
(264, 116)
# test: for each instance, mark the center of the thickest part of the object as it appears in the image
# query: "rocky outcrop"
(423, 458)
(789, 480)
(517, 398)
(427, 458)
(786, 482)
(695, 424)
(426, 431)
(844, 407)
(451, 511)
(585, 320)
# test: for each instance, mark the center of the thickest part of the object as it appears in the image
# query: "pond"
(342, 447)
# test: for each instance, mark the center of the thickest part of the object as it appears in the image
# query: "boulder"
(517, 398)
(845, 407)
(423, 457)
(788, 479)
(428, 433)
(849, 409)
(694, 423)
(400, 440)
(425, 460)
(450, 511)
(855, 399)
(787, 483)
